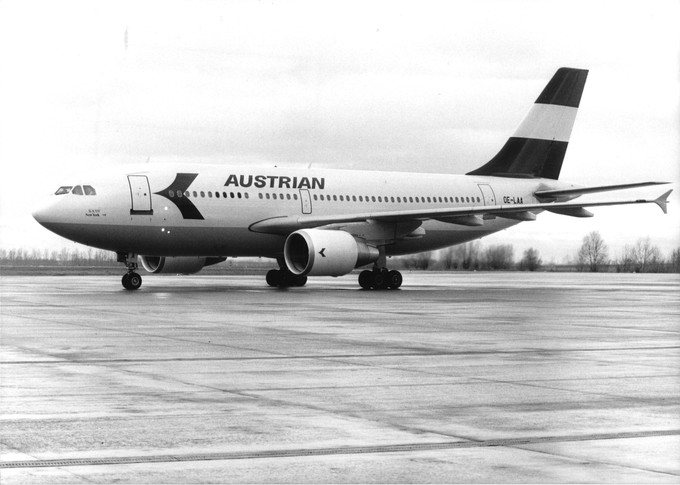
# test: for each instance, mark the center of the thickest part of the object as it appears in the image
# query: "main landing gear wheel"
(380, 279)
(284, 279)
(132, 281)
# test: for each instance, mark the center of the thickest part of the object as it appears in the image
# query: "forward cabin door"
(140, 194)
(487, 194)
(306, 201)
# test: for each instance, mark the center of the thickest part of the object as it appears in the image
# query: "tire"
(299, 280)
(365, 279)
(273, 277)
(379, 280)
(126, 281)
(135, 281)
(394, 279)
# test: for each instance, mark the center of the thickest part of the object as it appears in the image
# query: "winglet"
(662, 201)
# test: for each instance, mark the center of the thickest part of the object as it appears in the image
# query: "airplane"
(326, 222)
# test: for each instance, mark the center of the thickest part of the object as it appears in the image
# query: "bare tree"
(674, 261)
(648, 256)
(531, 260)
(593, 252)
(499, 256)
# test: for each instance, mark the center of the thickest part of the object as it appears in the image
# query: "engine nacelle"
(177, 264)
(319, 252)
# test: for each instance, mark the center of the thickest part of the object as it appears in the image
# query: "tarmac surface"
(457, 377)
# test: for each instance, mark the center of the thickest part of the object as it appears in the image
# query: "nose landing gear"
(131, 280)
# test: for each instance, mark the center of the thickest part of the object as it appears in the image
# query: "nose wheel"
(132, 281)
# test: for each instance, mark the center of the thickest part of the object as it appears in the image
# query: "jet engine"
(177, 264)
(321, 252)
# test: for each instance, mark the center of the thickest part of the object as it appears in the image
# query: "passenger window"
(238, 194)
(89, 190)
(210, 194)
(78, 190)
(187, 194)
(217, 194)
(195, 194)
(294, 196)
(245, 195)
(63, 190)
(354, 198)
(260, 195)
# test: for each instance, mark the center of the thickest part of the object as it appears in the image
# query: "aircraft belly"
(172, 241)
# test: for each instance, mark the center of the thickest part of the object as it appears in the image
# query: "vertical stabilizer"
(538, 146)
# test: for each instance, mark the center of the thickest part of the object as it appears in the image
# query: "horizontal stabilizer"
(572, 211)
(662, 201)
(549, 194)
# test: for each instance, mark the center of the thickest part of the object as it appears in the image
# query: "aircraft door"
(140, 194)
(487, 194)
(306, 201)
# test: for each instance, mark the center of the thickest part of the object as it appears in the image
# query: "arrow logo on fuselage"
(321, 253)
(176, 193)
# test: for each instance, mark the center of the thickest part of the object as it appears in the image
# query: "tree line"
(593, 256)
(641, 257)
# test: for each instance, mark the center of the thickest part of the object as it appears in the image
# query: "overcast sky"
(412, 86)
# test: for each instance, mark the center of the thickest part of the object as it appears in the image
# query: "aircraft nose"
(44, 212)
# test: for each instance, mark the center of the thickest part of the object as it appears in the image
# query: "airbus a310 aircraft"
(325, 222)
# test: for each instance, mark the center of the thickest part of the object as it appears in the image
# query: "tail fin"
(537, 147)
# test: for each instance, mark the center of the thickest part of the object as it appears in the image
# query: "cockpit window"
(89, 190)
(65, 189)
(77, 190)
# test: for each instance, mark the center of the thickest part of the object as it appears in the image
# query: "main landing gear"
(131, 280)
(282, 278)
(380, 279)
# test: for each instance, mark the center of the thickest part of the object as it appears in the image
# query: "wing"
(468, 216)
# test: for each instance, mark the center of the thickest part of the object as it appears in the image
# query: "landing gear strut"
(131, 280)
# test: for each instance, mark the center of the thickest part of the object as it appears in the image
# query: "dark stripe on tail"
(539, 145)
(526, 158)
(565, 88)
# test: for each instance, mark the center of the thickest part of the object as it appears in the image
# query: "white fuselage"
(212, 209)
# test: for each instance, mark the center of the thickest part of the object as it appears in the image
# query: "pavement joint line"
(330, 356)
(341, 450)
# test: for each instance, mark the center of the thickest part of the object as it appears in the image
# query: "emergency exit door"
(140, 194)
(487, 193)
(306, 201)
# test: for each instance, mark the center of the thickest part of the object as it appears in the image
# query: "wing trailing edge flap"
(287, 224)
